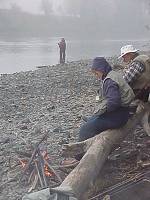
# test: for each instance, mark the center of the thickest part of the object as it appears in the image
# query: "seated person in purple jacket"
(113, 108)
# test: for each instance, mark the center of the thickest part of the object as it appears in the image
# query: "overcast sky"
(63, 7)
(125, 17)
(33, 6)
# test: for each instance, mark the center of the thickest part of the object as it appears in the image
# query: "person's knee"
(82, 133)
(86, 131)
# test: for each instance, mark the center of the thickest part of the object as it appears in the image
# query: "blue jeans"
(108, 120)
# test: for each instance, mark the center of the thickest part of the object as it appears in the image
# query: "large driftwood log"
(96, 151)
(142, 116)
(145, 122)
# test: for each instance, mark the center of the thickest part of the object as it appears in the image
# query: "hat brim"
(134, 51)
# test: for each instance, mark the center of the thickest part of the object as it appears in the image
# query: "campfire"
(37, 167)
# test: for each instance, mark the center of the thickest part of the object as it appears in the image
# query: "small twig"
(38, 173)
(29, 163)
(53, 170)
(66, 166)
(30, 177)
(65, 171)
(41, 160)
(34, 183)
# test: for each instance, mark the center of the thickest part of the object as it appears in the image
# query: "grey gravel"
(52, 99)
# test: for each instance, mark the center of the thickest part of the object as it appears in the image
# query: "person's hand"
(101, 107)
(98, 112)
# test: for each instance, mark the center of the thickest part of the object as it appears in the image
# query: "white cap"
(127, 49)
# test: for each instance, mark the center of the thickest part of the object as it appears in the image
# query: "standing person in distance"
(62, 48)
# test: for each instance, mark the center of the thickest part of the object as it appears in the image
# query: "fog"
(75, 18)
(30, 30)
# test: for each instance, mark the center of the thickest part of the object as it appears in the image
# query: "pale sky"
(59, 6)
(33, 6)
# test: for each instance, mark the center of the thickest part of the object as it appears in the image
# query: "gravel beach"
(49, 99)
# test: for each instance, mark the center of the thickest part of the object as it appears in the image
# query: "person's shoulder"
(142, 57)
(112, 77)
(116, 73)
(108, 81)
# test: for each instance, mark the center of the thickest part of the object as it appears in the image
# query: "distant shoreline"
(112, 59)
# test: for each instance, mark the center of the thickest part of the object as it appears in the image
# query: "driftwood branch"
(53, 171)
(41, 163)
(38, 174)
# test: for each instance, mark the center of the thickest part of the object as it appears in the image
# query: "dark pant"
(142, 95)
(62, 56)
(98, 124)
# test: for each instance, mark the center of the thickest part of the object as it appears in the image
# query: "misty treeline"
(88, 18)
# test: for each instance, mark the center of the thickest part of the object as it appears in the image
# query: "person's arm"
(112, 97)
(134, 70)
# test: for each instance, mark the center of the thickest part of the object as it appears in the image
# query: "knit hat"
(100, 64)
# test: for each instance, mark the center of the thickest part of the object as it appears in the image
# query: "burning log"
(96, 151)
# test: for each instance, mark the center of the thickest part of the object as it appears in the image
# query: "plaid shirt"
(133, 71)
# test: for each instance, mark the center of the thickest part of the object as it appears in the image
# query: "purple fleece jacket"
(111, 90)
(112, 94)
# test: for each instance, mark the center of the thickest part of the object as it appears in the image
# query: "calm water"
(22, 55)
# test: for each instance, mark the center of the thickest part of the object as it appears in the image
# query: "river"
(26, 54)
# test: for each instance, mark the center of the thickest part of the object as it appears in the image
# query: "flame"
(46, 168)
(23, 163)
(47, 172)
